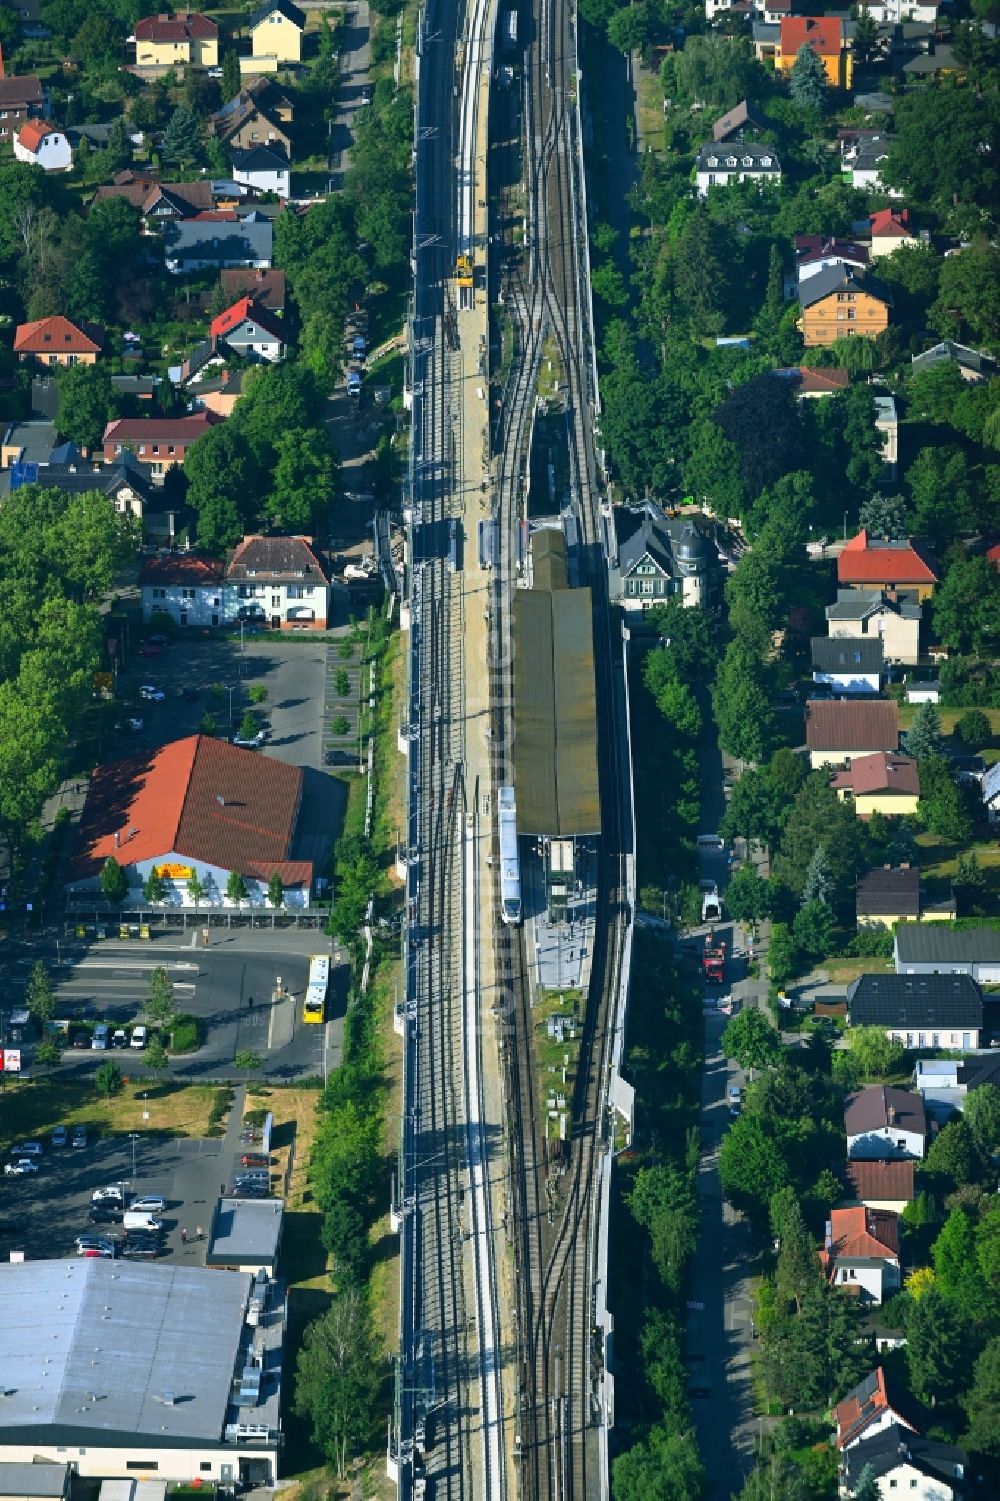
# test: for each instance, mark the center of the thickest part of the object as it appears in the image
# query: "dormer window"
(730, 161)
(713, 161)
(748, 161)
(765, 161)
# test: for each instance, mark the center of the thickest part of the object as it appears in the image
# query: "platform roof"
(555, 713)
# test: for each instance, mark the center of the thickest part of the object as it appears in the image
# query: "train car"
(314, 1006)
(510, 866)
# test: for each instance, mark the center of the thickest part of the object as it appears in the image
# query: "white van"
(138, 1037)
(100, 1037)
(141, 1219)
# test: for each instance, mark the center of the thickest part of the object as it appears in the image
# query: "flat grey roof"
(245, 1230)
(923, 943)
(92, 1346)
(32, 1480)
(555, 713)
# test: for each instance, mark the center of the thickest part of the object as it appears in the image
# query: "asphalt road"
(355, 57)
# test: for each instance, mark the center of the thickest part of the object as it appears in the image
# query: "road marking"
(130, 964)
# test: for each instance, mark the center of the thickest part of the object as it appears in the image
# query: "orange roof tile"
(57, 335)
(33, 133)
(879, 772)
(865, 560)
(890, 221)
(822, 33)
(864, 1233)
(245, 308)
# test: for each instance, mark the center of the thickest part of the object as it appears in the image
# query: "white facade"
(906, 1480)
(210, 1463)
(850, 682)
(249, 338)
(283, 605)
(190, 605)
(961, 1040)
(877, 1280)
(887, 425)
(212, 877)
(727, 165)
(54, 153)
(892, 12)
(277, 180)
(886, 1142)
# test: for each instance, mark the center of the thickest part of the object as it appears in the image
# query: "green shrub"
(185, 1034)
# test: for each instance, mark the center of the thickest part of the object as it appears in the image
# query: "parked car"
(154, 1203)
(27, 1149)
(94, 1245)
(80, 1040)
(119, 1038)
(21, 1167)
(79, 1136)
(141, 1250)
(59, 1136)
(111, 1191)
(158, 639)
(367, 93)
(251, 742)
(105, 1212)
(255, 1159)
(735, 1097)
(139, 1035)
(148, 649)
(152, 694)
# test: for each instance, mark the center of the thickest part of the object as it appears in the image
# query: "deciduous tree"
(113, 883)
(337, 1377)
(751, 1040)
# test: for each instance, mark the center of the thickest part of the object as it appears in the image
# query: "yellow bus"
(314, 1009)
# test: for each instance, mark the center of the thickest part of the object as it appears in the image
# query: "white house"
(262, 167)
(920, 1011)
(738, 161)
(870, 1407)
(906, 1464)
(991, 793)
(887, 426)
(42, 145)
(894, 12)
(849, 664)
(280, 582)
(250, 330)
(923, 693)
(885, 1122)
(861, 1253)
(186, 587)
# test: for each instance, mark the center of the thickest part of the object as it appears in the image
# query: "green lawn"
(939, 861)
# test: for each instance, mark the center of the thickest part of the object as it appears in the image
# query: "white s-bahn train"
(510, 866)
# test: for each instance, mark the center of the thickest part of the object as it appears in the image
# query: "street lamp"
(231, 691)
(133, 1137)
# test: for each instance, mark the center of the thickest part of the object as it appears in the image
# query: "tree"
(40, 998)
(974, 728)
(249, 726)
(236, 887)
(936, 1347)
(865, 37)
(247, 1061)
(154, 887)
(182, 138)
(257, 693)
(783, 957)
(952, 1157)
(982, 1117)
(967, 606)
(798, 1270)
(86, 403)
(742, 704)
(883, 515)
(117, 153)
(159, 1004)
(968, 301)
(970, 885)
(811, 1357)
(664, 1467)
(155, 1057)
(663, 1201)
(956, 1264)
(747, 898)
(303, 481)
(816, 817)
(48, 1052)
(712, 470)
(751, 1040)
(818, 886)
(113, 882)
(337, 1377)
(674, 698)
(276, 889)
(196, 890)
(756, 809)
(807, 80)
(108, 1079)
(943, 489)
(944, 805)
(762, 418)
(777, 1478)
(945, 144)
(231, 76)
(867, 1488)
(924, 737)
(225, 479)
(813, 929)
(717, 71)
(982, 1402)
(878, 1056)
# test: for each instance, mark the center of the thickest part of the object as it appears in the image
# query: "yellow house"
(166, 41)
(276, 31)
(825, 35)
(879, 783)
(888, 895)
(837, 303)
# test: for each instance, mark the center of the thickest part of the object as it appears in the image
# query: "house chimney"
(828, 1236)
(891, 1115)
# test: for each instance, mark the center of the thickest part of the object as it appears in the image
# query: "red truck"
(713, 960)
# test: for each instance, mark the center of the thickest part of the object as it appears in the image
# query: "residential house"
(877, 563)
(266, 169)
(259, 115)
(773, 12)
(895, 12)
(158, 202)
(266, 287)
(827, 37)
(893, 618)
(127, 483)
(160, 442)
(218, 392)
(861, 1253)
(944, 1083)
(920, 1011)
(863, 162)
(21, 99)
(871, 1406)
(880, 1184)
(849, 665)
(281, 582)
(813, 383)
(737, 123)
(838, 302)
(660, 557)
(839, 730)
(890, 229)
(194, 807)
(766, 39)
(993, 556)
(187, 587)
(890, 894)
(187, 38)
(715, 8)
(27, 443)
(938, 950)
(143, 389)
(250, 331)
(887, 426)
(990, 785)
(922, 693)
(815, 253)
(905, 1464)
(880, 783)
(212, 241)
(719, 166)
(932, 59)
(58, 341)
(41, 145)
(973, 364)
(276, 35)
(883, 1123)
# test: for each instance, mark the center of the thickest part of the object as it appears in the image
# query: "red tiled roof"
(33, 133)
(890, 221)
(217, 216)
(160, 429)
(865, 561)
(197, 798)
(832, 725)
(266, 287)
(822, 33)
(57, 335)
(23, 90)
(881, 1180)
(184, 26)
(994, 556)
(872, 1396)
(181, 568)
(814, 379)
(879, 773)
(275, 557)
(862, 1232)
(235, 315)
